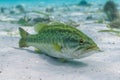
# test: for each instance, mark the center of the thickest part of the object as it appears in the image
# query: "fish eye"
(82, 41)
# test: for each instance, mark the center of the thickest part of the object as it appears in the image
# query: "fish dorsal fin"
(57, 25)
(40, 26)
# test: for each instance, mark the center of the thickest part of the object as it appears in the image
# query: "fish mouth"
(96, 48)
(89, 49)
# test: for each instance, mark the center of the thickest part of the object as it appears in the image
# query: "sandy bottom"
(25, 64)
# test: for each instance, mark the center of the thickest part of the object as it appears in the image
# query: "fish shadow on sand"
(55, 61)
(68, 63)
(58, 62)
(71, 63)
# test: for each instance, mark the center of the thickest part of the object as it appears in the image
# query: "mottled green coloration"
(61, 41)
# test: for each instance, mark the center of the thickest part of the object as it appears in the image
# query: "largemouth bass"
(59, 41)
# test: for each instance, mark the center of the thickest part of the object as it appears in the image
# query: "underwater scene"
(60, 39)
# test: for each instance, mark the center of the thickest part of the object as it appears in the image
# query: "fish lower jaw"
(80, 54)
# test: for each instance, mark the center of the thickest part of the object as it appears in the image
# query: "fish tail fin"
(23, 34)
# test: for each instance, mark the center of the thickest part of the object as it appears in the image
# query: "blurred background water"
(48, 2)
(69, 8)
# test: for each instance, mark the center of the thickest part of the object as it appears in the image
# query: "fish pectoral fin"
(57, 47)
(38, 50)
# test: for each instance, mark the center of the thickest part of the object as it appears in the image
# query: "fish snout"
(94, 47)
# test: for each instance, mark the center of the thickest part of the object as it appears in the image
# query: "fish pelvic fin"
(22, 41)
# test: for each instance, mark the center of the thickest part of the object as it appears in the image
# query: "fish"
(59, 40)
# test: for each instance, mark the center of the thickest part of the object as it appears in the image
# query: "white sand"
(25, 64)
